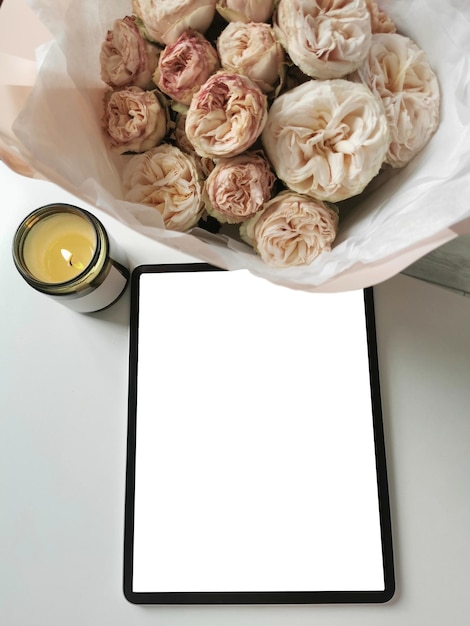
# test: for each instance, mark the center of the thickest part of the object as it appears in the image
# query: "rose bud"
(168, 180)
(185, 65)
(291, 230)
(398, 73)
(165, 20)
(205, 164)
(237, 188)
(134, 120)
(251, 49)
(325, 39)
(326, 138)
(226, 115)
(126, 57)
(380, 21)
(245, 10)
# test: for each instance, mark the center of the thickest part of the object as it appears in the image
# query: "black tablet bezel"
(266, 598)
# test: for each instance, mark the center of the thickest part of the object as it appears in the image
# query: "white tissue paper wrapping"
(59, 133)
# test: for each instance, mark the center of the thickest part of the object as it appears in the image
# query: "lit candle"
(65, 252)
(59, 247)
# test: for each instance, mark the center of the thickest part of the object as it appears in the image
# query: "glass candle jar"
(65, 252)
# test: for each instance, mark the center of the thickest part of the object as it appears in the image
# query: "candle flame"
(68, 256)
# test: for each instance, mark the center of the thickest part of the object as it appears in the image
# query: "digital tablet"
(256, 465)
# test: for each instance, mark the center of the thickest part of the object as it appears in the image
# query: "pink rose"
(291, 230)
(185, 65)
(226, 115)
(252, 49)
(168, 180)
(126, 57)
(245, 10)
(134, 120)
(237, 188)
(165, 20)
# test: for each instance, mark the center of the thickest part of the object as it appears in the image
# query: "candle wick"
(68, 257)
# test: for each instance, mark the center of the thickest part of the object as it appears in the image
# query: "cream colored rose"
(291, 230)
(325, 38)
(245, 10)
(165, 20)
(397, 71)
(126, 57)
(237, 188)
(134, 120)
(168, 180)
(226, 115)
(252, 49)
(380, 21)
(327, 138)
(185, 65)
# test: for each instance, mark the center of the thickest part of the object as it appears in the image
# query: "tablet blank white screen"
(255, 464)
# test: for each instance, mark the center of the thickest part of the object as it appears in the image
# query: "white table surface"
(63, 412)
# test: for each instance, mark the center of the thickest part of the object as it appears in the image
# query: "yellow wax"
(59, 247)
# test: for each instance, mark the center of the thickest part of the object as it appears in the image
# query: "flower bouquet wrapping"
(381, 202)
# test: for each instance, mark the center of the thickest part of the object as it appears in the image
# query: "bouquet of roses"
(307, 141)
(242, 113)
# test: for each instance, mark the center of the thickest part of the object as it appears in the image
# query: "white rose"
(325, 38)
(168, 180)
(245, 10)
(397, 71)
(226, 115)
(291, 230)
(327, 138)
(165, 20)
(252, 49)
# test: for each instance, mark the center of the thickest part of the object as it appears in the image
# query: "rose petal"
(245, 10)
